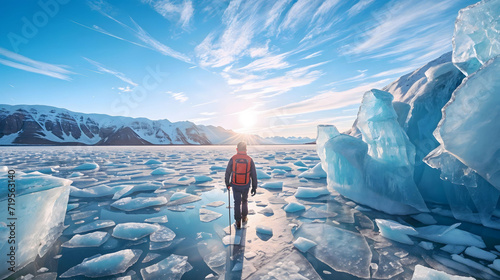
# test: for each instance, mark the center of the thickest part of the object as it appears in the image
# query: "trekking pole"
(229, 208)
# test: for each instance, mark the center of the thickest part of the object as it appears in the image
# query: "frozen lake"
(183, 212)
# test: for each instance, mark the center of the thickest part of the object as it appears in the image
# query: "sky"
(271, 68)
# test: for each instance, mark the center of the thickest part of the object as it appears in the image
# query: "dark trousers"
(240, 195)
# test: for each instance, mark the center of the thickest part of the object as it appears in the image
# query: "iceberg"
(105, 265)
(475, 40)
(41, 202)
(172, 268)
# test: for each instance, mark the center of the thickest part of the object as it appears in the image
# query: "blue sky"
(273, 68)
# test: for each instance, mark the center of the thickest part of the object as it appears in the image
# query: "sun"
(248, 118)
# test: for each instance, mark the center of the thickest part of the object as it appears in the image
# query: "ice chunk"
(153, 161)
(480, 254)
(300, 163)
(150, 256)
(294, 207)
(162, 171)
(352, 255)
(316, 172)
(425, 273)
(130, 189)
(304, 244)
(495, 265)
(426, 245)
(264, 230)
(303, 192)
(450, 235)
(87, 166)
(163, 234)
(473, 264)
(97, 191)
(171, 268)
(134, 231)
(208, 215)
(453, 249)
(293, 266)
(93, 239)
(41, 202)
(48, 170)
(131, 204)
(424, 218)
(202, 179)
(278, 172)
(273, 185)
(99, 224)
(76, 174)
(395, 231)
(105, 265)
(231, 240)
(217, 168)
(159, 219)
(268, 211)
(281, 167)
(216, 203)
(262, 175)
(182, 198)
(475, 40)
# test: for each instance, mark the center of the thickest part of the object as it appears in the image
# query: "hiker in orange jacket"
(240, 174)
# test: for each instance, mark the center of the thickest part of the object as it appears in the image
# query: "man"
(240, 174)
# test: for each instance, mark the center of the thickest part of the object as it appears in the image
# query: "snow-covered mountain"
(46, 125)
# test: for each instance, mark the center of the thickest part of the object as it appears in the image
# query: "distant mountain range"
(46, 125)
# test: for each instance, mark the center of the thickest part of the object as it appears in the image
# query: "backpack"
(241, 170)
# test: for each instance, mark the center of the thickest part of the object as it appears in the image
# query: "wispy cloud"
(115, 73)
(182, 13)
(267, 63)
(208, 113)
(401, 21)
(141, 34)
(179, 96)
(24, 63)
(125, 89)
(301, 11)
(315, 54)
(254, 86)
(325, 101)
(356, 78)
(358, 7)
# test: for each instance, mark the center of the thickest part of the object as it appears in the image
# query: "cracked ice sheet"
(342, 250)
(208, 215)
(294, 266)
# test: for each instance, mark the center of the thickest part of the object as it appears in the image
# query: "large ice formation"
(436, 142)
(40, 208)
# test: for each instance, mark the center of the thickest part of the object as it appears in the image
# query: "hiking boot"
(238, 224)
(244, 219)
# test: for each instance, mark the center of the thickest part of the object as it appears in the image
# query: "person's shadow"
(236, 255)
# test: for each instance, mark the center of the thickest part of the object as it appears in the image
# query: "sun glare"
(248, 118)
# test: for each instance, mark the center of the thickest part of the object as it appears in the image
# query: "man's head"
(242, 147)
